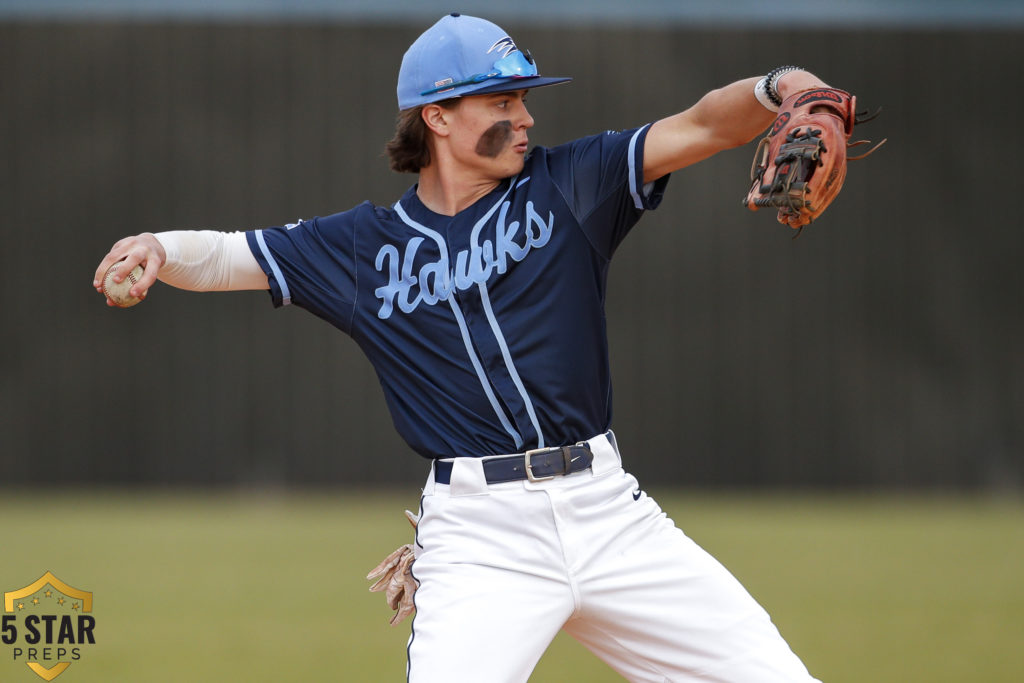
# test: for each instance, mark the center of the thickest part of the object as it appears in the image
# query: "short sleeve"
(601, 177)
(311, 264)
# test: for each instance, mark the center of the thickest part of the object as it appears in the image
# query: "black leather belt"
(535, 465)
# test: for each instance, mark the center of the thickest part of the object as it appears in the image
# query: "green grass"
(225, 586)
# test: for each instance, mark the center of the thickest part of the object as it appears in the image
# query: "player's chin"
(515, 160)
(508, 164)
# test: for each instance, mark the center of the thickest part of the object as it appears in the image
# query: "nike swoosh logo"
(637, 494)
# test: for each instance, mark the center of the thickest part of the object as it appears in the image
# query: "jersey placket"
(486, 333)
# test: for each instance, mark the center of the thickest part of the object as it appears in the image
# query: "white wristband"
(761, 93)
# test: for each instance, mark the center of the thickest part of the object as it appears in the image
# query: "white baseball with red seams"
(119, 292)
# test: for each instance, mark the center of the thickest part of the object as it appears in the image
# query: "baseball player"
(478, 297)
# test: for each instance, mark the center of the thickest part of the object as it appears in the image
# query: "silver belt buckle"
(529, 464)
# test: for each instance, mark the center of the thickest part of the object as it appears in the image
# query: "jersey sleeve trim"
(634, 184)
(282, 283)
(645, 196)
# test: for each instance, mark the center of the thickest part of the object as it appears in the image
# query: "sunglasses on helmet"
(515, 65)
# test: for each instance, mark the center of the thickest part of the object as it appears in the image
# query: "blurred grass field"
(231, 586)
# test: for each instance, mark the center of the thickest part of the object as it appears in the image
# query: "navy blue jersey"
(486, 328)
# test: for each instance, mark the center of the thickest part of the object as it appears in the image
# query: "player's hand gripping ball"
(120, 292)
(800, 166)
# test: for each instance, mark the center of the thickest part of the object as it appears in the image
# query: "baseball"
(118, 292)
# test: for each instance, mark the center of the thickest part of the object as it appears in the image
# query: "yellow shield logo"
(48, 622)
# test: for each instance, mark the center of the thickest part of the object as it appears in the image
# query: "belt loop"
(468, 478)
(428, 487)
(606, 454)
(610, 435)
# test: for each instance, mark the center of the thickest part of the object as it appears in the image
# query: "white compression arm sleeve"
(209, 261)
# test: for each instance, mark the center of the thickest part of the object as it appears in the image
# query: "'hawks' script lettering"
(436, 281)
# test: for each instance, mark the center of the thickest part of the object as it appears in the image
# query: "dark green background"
(881, 349)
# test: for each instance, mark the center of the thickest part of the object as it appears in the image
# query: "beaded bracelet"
(772, 82)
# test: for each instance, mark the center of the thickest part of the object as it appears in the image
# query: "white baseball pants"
(503, 567)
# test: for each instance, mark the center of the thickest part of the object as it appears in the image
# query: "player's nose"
(529, 119)
(525, 120)
(522, 114)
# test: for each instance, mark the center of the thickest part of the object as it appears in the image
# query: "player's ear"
(436, 119)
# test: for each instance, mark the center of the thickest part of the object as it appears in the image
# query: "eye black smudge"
(494, 139)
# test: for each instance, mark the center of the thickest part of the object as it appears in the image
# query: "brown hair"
(409, 151)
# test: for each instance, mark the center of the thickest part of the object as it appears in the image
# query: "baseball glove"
(394, 577)
(800, 166)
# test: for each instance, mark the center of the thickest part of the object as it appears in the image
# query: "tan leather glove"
(800, 167)
(394, 577)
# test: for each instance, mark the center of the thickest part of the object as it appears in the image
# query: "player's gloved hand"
(394, 577)
(800, 167)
